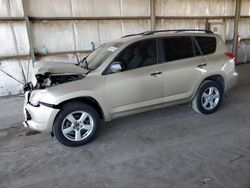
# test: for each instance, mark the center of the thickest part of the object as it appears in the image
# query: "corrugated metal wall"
(71, 35)
(13, 40)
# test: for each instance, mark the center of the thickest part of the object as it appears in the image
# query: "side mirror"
(116, 67)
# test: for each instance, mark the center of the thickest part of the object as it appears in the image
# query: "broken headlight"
(36, 96)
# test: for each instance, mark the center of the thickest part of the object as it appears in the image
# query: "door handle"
(155, 73)
(202, 65)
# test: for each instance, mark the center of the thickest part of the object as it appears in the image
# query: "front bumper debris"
(40, 118)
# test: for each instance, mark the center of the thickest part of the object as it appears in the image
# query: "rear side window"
(207, 44)
(176, 48)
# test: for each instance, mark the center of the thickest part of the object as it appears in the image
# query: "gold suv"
(133, 74)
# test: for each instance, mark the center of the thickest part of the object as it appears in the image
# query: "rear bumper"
(232, 80)
(39, 118)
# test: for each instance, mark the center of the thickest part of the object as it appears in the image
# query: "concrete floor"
(173, 147)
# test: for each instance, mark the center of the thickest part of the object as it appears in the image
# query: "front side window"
(139, 54)
(176, 48)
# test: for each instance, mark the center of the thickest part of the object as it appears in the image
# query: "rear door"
(183, 67)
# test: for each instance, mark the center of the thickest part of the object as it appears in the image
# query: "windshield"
(98, 56)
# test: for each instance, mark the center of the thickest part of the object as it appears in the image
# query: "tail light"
(231, 55)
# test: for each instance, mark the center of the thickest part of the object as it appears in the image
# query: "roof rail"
(199, 30)
(169, 30)
(177, 31)
(130, 35)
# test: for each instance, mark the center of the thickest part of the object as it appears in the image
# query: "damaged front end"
(48, 79)
(48, 74)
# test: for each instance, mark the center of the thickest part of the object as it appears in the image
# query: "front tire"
(208, 97)
(76, 124)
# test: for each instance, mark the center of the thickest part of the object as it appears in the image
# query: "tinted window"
(178, 48)
(207, 44)
(139, 54)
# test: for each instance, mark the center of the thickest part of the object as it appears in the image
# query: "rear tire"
(76, 124)
(208, 97)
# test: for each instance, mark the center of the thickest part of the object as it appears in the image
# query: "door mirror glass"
(116, 67)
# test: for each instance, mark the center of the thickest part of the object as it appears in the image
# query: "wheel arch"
(217, 78)
(87, 100)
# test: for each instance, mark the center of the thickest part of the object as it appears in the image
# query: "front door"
(140, 84)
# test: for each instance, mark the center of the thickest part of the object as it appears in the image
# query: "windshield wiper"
(83, 63)
(86, 64)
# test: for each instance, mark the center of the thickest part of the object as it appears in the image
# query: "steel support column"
(27, 23)
(236, 26)
(152, 15)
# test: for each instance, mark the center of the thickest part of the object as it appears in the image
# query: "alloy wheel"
(77, 125)
(210, 98)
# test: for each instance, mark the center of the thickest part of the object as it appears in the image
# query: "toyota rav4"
(133, 74)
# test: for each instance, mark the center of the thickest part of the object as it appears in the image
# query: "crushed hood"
(58, 67)
(51, 73)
